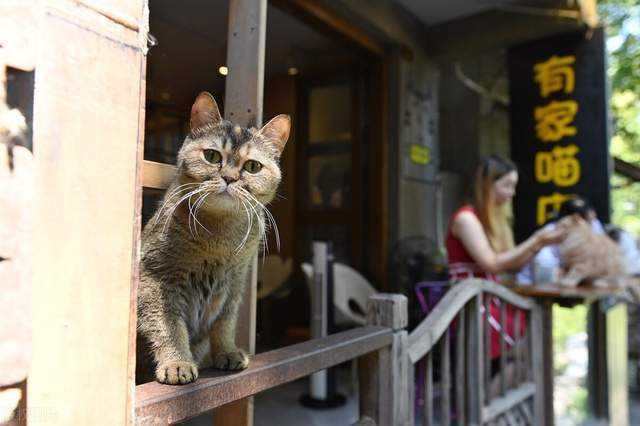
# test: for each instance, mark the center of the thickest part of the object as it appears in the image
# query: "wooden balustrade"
(453, 343)
(457, 331)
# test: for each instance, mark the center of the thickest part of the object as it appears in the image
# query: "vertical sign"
(559, 137)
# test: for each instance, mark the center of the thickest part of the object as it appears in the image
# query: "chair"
(274, 284)
(273, 273)
(350, 293)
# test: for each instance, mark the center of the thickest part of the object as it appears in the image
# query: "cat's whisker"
(261, 223)
(261, 228)
(194, 212)
(249, 221)
(174, 207)
(168, 197)
(270, 218)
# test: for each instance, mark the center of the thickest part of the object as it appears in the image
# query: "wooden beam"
(319, 16)
(88, 115)
(507, 28)
(157, 175)
(508, 401)
(243, 105)
(162, 404)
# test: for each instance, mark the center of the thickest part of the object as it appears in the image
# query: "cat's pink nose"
(229, 179)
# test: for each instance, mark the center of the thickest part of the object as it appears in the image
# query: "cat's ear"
(204, 112)
(276, 131)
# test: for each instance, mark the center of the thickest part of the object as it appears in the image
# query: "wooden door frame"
(328, 216)
(379, 157)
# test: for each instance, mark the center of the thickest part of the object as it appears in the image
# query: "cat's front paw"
(234, 360)
(177, 372)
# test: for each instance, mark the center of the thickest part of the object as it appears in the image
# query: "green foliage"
(622, 18)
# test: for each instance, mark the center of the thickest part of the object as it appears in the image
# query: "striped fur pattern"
(197, 247)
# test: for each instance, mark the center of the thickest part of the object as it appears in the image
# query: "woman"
(480, 241)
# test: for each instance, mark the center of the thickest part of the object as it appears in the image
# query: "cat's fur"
(197, 248)
(588, 256)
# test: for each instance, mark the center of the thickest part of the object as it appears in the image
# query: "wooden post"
(475, 328)
(87, 140)
(386, 376)
(542, 363)
(243, 106)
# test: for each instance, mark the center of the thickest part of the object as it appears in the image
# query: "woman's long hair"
(494, 218)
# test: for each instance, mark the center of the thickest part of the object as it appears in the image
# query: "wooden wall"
(88, 117)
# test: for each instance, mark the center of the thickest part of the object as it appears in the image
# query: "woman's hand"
(548, 236)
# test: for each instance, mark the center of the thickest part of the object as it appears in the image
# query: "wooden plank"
(617, 360)
(517, 348)
(16, 199)
(509, 400)
(319, 15)
(401, 397)
(157, 175)
(163, 404)
(388, 310)
(445, 378)
(541, 370)
(431, 329)
(374, 384)
(428, 390)
(475, 355)
(244, 93)
(87, 114)
(486, 335)
(510, 418)
(503, 347)
(553, 291)
(460, 368)
(526, 413)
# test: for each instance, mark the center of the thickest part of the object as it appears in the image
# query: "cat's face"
(234, 166)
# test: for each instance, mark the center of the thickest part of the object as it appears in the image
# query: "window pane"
(330, 114)
(330, 181)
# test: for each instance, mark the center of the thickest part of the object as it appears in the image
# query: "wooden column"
(541, 331)
(476, 327)
(243, 106)
(386, 376)
(89, 106)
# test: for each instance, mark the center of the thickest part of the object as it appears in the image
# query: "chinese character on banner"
(553, 120)
(559, 166)
(548, 205)
(555, 74)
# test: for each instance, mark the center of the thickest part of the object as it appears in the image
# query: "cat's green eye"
(252, 166)
(212, 156)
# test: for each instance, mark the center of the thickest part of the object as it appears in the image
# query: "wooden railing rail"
(422, 339)
(163, 404)
(456, 335)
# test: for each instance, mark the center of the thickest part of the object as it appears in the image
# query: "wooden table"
(607, 343)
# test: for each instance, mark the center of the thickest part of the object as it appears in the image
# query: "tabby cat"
(197, 247)
(588, 256)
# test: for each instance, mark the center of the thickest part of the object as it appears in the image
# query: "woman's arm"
(467, 227)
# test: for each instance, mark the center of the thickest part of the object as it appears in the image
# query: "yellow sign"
(553, 120)
(420, 154)
(555, 74)
(559, 166)
(548, 204)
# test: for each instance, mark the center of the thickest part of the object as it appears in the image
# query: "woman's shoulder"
(465, 211)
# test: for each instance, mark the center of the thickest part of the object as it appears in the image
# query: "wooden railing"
(387, 359)
(162, 404)
(461, 321)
